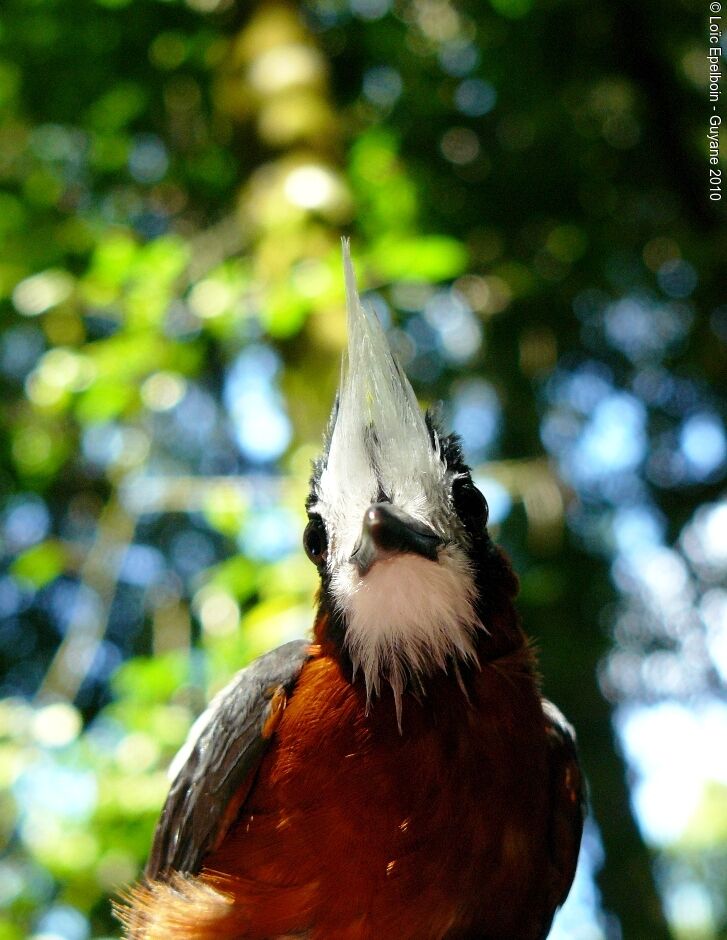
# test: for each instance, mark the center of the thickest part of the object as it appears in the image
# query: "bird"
(398, 776)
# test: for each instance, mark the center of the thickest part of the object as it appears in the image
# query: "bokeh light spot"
(62, 922)
(460, 145)
(25, 522)
(162, 391)
(40, 292)
(210, 298)
(677, 278)
(382, 86)
(459, 57)
(148, 160)
(284, 67)
(475, 97)
(702, 441)
(56, 725)
(370, 9)
(498, 498)
(314, 187)
(217, 610)
(476, 416)
(261, 426)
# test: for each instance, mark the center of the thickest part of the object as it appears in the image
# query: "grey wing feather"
(220, 759)
(568, 809)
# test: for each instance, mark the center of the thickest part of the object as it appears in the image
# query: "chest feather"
(366, 825)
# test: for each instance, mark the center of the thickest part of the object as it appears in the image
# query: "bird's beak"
(387, 531)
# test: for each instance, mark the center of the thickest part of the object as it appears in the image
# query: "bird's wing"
(567, 808)
(215, 769)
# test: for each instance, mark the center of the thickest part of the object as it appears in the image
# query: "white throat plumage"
(408, 615)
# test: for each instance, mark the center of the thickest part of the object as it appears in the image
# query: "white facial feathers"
(407, 615)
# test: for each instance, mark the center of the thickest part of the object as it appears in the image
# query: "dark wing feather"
(567, 809)
(209, 789)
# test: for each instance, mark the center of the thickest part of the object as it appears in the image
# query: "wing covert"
(216, 767)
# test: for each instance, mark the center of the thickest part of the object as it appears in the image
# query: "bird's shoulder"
(214, 769)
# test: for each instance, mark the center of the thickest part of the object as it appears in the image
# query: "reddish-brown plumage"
(355, 831)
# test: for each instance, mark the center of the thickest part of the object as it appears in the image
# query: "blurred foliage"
(525, 183)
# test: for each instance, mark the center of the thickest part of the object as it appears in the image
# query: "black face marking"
(450, 446)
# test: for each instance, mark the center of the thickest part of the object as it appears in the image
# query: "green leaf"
(151, 680)
(118, 107)
(285, 312)
(430, 258)
(40, 564)
(386, 194)
(10, 930)
(104, 400)
(163, 259)
(237, 575)
(225, 509)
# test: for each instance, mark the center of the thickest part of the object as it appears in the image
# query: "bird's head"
(396, 525)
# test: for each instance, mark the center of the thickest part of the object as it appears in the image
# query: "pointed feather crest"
(379, 441)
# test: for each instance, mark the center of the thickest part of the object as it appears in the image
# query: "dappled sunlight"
(174, 182)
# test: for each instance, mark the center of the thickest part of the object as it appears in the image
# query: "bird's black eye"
(315, 541)
(470, 504)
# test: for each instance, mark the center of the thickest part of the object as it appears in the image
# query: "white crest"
(408, 613)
